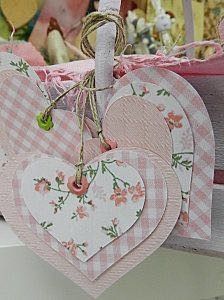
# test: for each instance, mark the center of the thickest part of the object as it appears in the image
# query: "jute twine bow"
(93, 21)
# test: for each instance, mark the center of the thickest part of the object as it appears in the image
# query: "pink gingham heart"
(39, 240)
(83, 224)
(155, 204)
(20, 102)
(199, 225)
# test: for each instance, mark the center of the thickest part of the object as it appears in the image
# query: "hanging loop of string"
(93, 22)
(96, 20)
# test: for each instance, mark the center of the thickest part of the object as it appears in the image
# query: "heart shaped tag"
(12, 62)
(54, 255)
(87, 223)
(199, 223)
(156, 199)
(20, 102)
(180, 129)
(132, 121)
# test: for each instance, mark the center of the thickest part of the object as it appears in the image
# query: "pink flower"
(120, 163)
(184, 217)
(173, 120)
(68, 244)
(145, 90)
(81, 212)
(73, 250)
(119, 196)
(115, 221)
(52, 202)
(60, 176)
(137, 192)
(161, 107)
(42, 186)
(71, 246)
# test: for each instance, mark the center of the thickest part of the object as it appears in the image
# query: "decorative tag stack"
(150, 167)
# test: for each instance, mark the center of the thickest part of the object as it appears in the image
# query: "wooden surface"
(211, 89)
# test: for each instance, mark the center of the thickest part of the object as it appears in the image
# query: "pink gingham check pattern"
(199, 225)
(156, 197)
(20, 102)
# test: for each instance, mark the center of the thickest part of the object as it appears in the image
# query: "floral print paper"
(87, 223)
(181, 133)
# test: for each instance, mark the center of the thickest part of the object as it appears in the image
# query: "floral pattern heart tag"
(82, 224)
(180, 129)
(161, 86)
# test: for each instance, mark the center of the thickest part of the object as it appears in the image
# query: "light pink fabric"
(183, 66)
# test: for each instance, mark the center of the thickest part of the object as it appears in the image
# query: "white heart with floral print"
(180, 129)
(82, 224)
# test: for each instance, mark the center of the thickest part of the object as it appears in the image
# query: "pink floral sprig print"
(60, 179)
(163, 92)
(21, 66)
(137, 192)
(91, 172)
(46, 225)
(184, 217)
(144, 91)
(81, 213)
(138, 213)
(60, 203)
(173, 120)
(185, 196)
(119, 196)
(116, 180)
(112, 231)
(83, 199)
(73, 248)
(178, 160)
(133, 90)
(42, 185)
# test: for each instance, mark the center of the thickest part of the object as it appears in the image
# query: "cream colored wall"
(166, 275)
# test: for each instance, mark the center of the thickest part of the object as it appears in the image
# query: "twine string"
(95, 115)
(96, 20)
(93, 21)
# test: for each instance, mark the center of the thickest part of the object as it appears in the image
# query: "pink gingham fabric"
(20, 102)
(156, 197)
(204, 157)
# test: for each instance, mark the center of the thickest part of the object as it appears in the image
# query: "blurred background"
(51, 29)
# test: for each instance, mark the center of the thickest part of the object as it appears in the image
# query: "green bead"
(44, 124)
